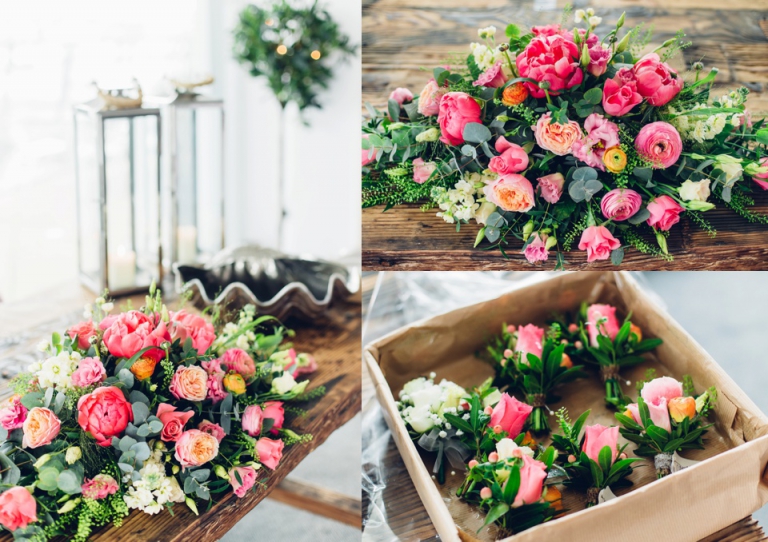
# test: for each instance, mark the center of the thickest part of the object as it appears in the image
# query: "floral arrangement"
(553, 138)
(143, 410)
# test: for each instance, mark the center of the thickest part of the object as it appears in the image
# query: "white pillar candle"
(122, 269)
(187, 244)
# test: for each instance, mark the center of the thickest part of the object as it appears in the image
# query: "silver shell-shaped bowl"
(277, 284)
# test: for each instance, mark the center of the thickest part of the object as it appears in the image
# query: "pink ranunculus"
(551, 187)
(239, 361)
(401, 95)
(275, 411)
(598, 242)
(99, 487)
(513, 159)
(18, 508)
(620, 93)
(529, 341)
(761, 179)
(620, 204)
(252, 419)
(556, 137)
(665, 386)
(270, 452)
(457, 109)
(510, 414)
(89, 371)
(247, 477)
(511, 192)
(554, 59)
(532, 475)
(665, 213)
(493, 77)
(173, 422)
(40, 428)
(609, 326)
(368, 156)
(657, 82)
(536, 250)
(186, 325)
(83, 331)
(599, 55)
(597, 437)
(601, 134)
(190, 383)
(430, 97)
(212, 429)
(13, 414)
(422, 170)
(195, 448)
(131, 331)
(104, 413)
(659, 143)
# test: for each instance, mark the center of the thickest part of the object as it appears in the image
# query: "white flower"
(594, 21)
(507, 449)
(42, 345)
(732, 171)
(283, 384)
(429, 397)
(414, 385)
(177, 495)
(57, 371)
(486, 209)
(590, 12)
(579, 15)
(73, 454)
(492, 398)
(242, 342)
(442, 434)
(694, 191)
(487, 32)
(107, 307)
(418, 418)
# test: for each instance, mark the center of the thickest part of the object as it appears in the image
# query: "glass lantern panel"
(88, 199)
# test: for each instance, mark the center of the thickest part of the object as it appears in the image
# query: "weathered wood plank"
(318, 500)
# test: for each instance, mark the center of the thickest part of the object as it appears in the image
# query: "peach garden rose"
(40, 428)
(190, 383)
(556, 137)
(511, 192)
(195, 448)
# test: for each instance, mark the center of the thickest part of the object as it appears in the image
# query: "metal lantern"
(117, 160)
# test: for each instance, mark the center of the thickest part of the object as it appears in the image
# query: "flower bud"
(527, 230)
(497, 429)
(544, 85)
(697, 66)
(579, 345)
(428, 136)
(175, 469)
(395, 126)
(585, 58)
(493, 457)
(143, 368)
(508, 353)
(42, 460)
(486, 493)
(488, 410)
(620, 22)
(221, 472)
(503, 47)
(550, 242)
(622, 45)
(191, 504)
(571, 458)
(69, 506)
(701, 206)
(573, 328)
(636, 331)
(73, 454)
(662, 241)
(472, 464)
(159, 445)
(681, 408)
(511, 329)
(566, 361)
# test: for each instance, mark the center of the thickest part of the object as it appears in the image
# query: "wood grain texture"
(402, 38)
(318, 500)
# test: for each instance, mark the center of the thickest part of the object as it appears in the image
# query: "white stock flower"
(694, 190)
(42, 346)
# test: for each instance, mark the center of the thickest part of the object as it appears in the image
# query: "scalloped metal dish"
(279, 285)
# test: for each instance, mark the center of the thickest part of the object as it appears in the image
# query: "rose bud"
(488, 410)
(566, 362)
(508, 353)
(486, 493)
(681, 408)
(571, 458)
(493, 457)
(636, 331)
(473, 463)
(511, 329)
(528, 440)
(143, 368)
(622, 455)
(554, 498)
(235, 383)
(497, 429)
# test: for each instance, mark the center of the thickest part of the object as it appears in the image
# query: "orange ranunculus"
(143, 368)
(615, 159)
(514, 94)
(235, 383)
(633, 329)
(554, 498)
(566, 362)
(681, 408)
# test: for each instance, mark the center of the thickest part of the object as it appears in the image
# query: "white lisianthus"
(430, 397)
(733, 171)
(694, 190)
(283, 384)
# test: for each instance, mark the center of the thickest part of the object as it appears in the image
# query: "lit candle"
(187, 242)
(122, 269)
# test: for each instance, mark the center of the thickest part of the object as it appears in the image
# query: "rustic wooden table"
(403, 37)
(335, 343)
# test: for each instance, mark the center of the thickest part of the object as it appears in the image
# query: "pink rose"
(401, 95)
(422, 170)
(609, 326)
(620, 93)
(532, 475)
(187, 325)
(493, 77)
(511, 192)
(190, 383)
(239, 361)
(40, 428)
(536, 250)
(658, 413)
(457, 109)
(173, 422)
(18, 508)
(429, 99)
(270, 452)
(598, 242)
(599, 56)
(510, 414)
(601, 134)
(104, 413)
(554, 59)
(83, 331)
(13, 414)
(275, 411)
(213, 429)
(529, 341)
(368, 154)
(620, 204)
(512, 159)
(762, 178)
(100, 487)
(657, 82)
(597, 437)
(556, 137)
(247, 476)
(665, 386)
(251, 420)
(132, 331)
(659, 143)
(665, 213)
(89, 371)
(195, 448)
(551, 187)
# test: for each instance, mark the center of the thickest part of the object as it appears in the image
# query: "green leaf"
(512, 31)
(126, 378)
(48, 478)
(513, 484)
(69, 482)
(578, 424)
(32, 400)
(604, 458)
(617, 256)
(458, 423)
(140, 412)
(643, 173)
(11, 473)
(673, 445)
(58, 403)
(597, 473)
(762, 136)
(585, 173)
(201, 475)
(393, 108)
(645, 415)
(495, 513)
(659, 435)
(474, 132)
(594, 95)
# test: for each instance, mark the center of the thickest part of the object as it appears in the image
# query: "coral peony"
(132, 331)
(185, 325)
(620, 94)
(104, 413)
(457, 109)
(493, 77)
(83, 331)
(554, 59)
(657, 82)
(18, 508)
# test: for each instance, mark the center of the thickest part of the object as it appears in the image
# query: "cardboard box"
(728, 484)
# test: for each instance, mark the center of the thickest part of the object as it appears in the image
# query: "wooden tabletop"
(402, 38)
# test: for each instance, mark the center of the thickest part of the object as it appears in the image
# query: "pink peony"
(83, 331)
(511, 192)
(529, 341)
(173, 422)
(510, 414)
(100, 487)
(40, 428)
(104, 413)
(665, 213)
(429, 99)
(556, 137)
(89, 371)
(493, 77)
(401, 95)
(551, 187)
(657, 82)
(132, 331)
(532, 475)
(512, 158)
(659, 143)
(186, 325)
(251, 420)
(620, 93)
(597, 437)
(270, 452)
(536, 250)
(195, 448)
(247, 476)
(13, 414)
(212, 429)
(598, 242)
(239, 361)
(275, 411)
(761, 179)
(368, 155)
(457, 109)
(554, 59)
(190, 383)
(18, 508)
(620, 204)
(601, 134)
(422, 170)
(609, 326)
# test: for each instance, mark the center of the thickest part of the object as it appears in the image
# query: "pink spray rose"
(422, 170)
(18, 508)
(597, 437)
(532, 475)
(556, 137)
(40, 428)
(275, 411)
(247, 476)
(554, 59)
(173, 422)
(551, 187)
(429, 99)
(367, 155)
(457, 109)
(665, 213)
(620, 93)
(186, 325)
(132, 331)
(512, 158)
(598, 242)
(657, 82)
(100, 487)
(620, 204)
(213, 429)
(601, 134)
(239, 361)
(529, 341)
(104, 413)
(659, 143)
(13, 414)
(511, 192)
(493, 77)
(252, 418)
(762, 178)
(401, 95)
(536, 250)
(609, 326)
(195, 448)
(270, 452)
(599, 55)
(190, 383)
(83, 331)
(510, 414)
(89, 371)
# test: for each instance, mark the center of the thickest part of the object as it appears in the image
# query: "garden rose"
(429, 99)
(251, 421)
(173, 421)
(695, 190)
(493, 77)
(609, 325)
(83, 331)
(104, 413)
(536, 250)
(512, 158)
(13, 414)
(239, 361)
(143, 368)
(602, 134)
(598, 242)
(597, 437)
(556, 137)
(247, 476)
(532, 475)
(422, 170)
(657, 82)
(551, 187)
(401, 95)
(659, 143)
(457, 109)
(529, 341)
(761, 179)
(270, 452)
(131, 331)
(18, 508)
(100, 487)
(510, 414)
(275, 411)
(620, 93)
(40, 428)
(511, 192)
(658, 413)
(186, 325)
(212, 429)
(554, 59)
(195, 448)
(190, 383)
(89, 371)
(665, 213)
(620, 204)
(367, 155)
